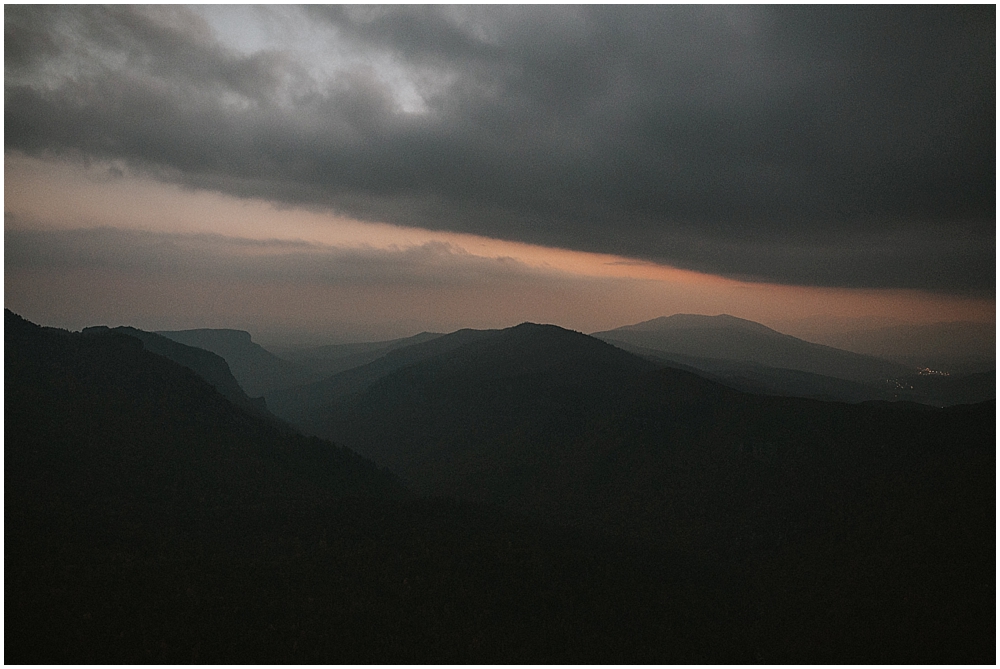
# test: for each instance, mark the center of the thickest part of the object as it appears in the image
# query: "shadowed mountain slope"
(740, 341)
(257, 369)
(875, 520)
(554, 423)
(325, 361)
(209, 366)
(104, 416)
(147, 519)
(478, 390)
(300, 404)
(537, 417)
(763, 380)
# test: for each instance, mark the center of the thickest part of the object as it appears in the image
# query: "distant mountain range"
(550, 498)
(151, 520)
(742, 354)
(752, 357)
(510, 417)
(544, 421)
(737, 340)
(257, 369)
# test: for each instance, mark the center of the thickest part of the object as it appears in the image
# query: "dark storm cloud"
(821, 146)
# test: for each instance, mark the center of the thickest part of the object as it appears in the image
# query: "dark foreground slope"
(147, 519)
(97, 416)
(867, 529)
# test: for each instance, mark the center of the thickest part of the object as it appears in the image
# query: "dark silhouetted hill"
(98, 414)
(209, 366)
(515, 417)
(471, 390)
(643, 514)
(150, 520)
(559, 425)
(300, 404)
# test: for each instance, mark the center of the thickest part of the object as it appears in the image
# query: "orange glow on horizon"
(59, 194)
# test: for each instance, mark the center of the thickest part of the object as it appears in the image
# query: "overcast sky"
(841, 153)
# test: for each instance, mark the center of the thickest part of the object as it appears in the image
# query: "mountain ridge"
(578, 436)
(727, 337)
(208, 365)
(698, 320)
(130, 480)
(458, 348)
(256, 369)
(122, 403)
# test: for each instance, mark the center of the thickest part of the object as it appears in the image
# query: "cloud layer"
(209, 257)
(802, 145)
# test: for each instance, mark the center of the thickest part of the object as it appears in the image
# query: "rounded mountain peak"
(687, 321)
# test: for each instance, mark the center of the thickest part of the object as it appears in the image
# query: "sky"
(354, 173)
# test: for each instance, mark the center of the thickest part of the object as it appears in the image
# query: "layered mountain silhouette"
(556, 424)
(540, 417)
(324, 361)
(582, 504)
(256, 369)
(150, 519)
(209, 366)
(101, 414)
(300, 404)
(729, 338)
(752, 357)
(468, 390)
(259, 371)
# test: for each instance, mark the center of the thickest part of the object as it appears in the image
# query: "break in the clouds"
(831, 146)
